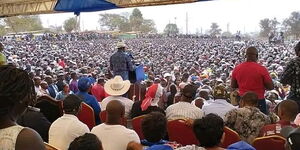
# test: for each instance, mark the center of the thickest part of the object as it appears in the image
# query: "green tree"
(114, 22)
(171, 29)
(70, 24)
(136, 19)
(292, 24)
(23, 23)
(148, 26)
(214, 29)
(267, 25)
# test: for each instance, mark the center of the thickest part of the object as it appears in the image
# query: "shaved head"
(251, 54)
(115, 110)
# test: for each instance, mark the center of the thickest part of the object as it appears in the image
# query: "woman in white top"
(16, 94)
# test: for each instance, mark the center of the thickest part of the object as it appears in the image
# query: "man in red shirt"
(98, 90)
(251, 76)
(287, 112)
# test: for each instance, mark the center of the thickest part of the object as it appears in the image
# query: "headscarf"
(152, 97)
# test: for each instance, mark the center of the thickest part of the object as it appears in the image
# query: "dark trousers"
(262, 105)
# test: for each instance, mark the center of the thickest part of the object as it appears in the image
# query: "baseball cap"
(84, 83)
(220, 91)
(292, 136)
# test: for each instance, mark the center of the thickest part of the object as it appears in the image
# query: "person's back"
(184, 108)
(113, 135)
(247, 73)
(16, 93)
(68, 127)
(248, 120)
(287, 112)
(219, 106)
(84, 85)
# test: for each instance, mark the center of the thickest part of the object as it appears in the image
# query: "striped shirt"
(183, 110)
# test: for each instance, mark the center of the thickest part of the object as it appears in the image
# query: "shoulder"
(29, 139)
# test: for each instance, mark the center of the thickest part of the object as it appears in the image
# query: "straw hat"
(120, 45)
(116, 86)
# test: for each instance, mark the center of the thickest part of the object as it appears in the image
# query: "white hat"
(121, 44)
(167, 75)
(116, 86)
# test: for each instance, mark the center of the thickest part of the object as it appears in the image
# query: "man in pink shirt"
(98, 90)
(251, 76)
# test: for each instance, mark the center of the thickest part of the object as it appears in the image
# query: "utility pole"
(187, 25)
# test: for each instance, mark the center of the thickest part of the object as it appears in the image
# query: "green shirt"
(2, 59)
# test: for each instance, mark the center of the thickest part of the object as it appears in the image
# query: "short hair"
(71, 103)
(289, 107)
(154, 126)
(250, 98)
(15, 86)
(209, 130)
(189, 91)
(88, 141)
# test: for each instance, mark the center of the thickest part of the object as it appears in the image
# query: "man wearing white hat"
(120, 62)
(117, 87)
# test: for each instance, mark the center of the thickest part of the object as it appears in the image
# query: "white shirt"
(115, 137)
(183, 110)
(219, 107)
(127, 102)
(64, 130)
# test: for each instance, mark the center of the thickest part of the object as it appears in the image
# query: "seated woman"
(154, 128)
(16, 94)
(64, 93)
(150, 103)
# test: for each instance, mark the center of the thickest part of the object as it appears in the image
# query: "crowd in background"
(196, 70)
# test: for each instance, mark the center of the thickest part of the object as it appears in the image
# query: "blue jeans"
(262, 105)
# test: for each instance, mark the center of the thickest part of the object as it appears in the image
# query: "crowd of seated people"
(201, 99)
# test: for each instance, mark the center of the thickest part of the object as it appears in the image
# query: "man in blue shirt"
(84, 85)
(120, 62)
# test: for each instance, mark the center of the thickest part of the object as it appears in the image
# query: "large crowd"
(185, 77)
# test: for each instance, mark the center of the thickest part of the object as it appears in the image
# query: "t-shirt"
(251, 76)
(115, 137)
(64, 130)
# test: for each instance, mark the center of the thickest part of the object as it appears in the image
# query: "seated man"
(287, 112)
(112, 134)
(66, 128)
(247, 120)
(84, 85)
(154, 128)
(184, 108)
(292, 136)
(117, 87)
(87, 141)
(219, 106)
(209, 131)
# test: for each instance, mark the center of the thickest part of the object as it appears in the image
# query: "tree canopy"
(70, 24)
(292, 24)
(126, 23)
(267, 25)
(23, 23)
(214, 29)
(171, 29)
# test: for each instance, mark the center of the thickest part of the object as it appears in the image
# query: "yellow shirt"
(2, 59)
